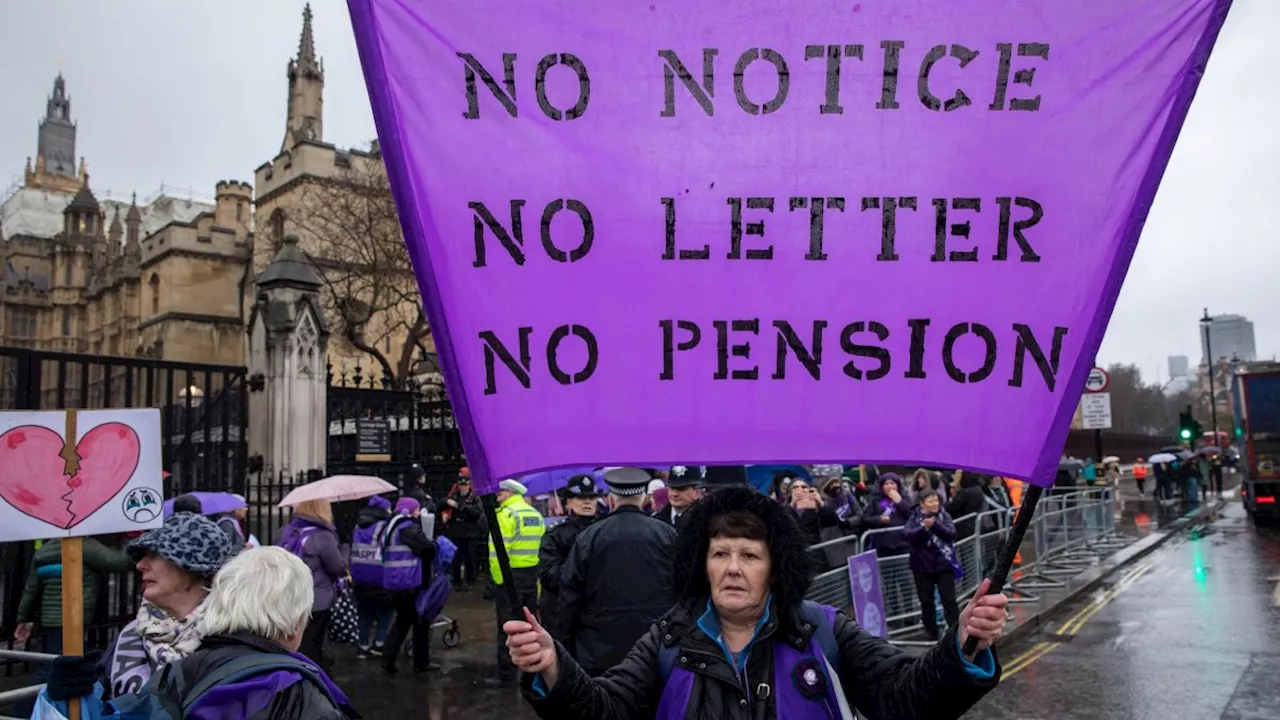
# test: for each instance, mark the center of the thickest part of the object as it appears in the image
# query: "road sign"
(1095, 411)
(1098, 381)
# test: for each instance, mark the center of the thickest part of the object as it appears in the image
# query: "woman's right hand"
(23, 633)
(532, 649)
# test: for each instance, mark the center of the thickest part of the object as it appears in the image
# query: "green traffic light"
(1186, 434)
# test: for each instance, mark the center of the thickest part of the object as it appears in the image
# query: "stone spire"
(306, 90)
(133, 227)
(115, 233)
(306, 62)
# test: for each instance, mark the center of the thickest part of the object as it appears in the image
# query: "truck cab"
(1256, 394)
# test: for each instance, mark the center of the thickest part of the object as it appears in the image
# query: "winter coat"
(615, 583)
(968, 500)
(665, 516)
(881, 681)
(887, 543)
(925, 556)
(322, 556)
(43, 589)
(465, 521)
(299, 699)
(552, 553)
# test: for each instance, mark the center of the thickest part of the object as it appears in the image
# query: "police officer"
(579, 496)
(684, 488)
(617, 579)
(521, 527)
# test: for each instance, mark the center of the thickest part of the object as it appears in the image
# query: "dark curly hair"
(733, 511)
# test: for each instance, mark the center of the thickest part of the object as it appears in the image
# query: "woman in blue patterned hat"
(742, 644)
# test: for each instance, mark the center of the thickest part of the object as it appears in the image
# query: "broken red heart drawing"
(35, 481)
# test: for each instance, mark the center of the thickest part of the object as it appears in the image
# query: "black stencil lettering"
(1002, 76)
(703, 93)
(736, 230)
(918, 327)
(833, 54)
(1026, 76)
(889, 90)
(888, 222)
(584, 86)
(739, 78)
(949, 346)
(817, 213)
(960, 230)
(1027, 343)
(724, 349)
(588, 230)
(513, 241)
(931, 101)
(670, 253)
(553, 354)
(787, 338)
(868, 351)
(1006, 213)
(473, 67)
(494, 349)
(670, 347)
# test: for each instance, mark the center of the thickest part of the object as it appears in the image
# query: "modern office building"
(1231, 336)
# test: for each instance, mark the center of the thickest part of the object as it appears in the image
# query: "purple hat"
(407, 505)
(377, 501)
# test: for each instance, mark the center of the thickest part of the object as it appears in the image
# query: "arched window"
(277, 226)
(155, 294)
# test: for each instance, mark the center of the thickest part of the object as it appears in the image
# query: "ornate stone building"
(176, 278)
(163, 279)
(337, 202)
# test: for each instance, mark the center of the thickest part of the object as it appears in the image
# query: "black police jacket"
(615, 583)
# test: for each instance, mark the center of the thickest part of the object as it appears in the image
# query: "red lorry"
(1256, 393)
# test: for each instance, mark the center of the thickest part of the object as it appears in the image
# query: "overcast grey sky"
(187, 93)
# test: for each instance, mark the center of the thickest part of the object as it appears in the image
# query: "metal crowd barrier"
(1070, 532)
(9, 698)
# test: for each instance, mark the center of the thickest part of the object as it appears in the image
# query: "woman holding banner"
(742, 644)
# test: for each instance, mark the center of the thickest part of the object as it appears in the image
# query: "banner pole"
(72, 607)
(1020, 524)
(490, 503)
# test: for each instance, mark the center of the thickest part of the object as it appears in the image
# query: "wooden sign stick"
(72, 574)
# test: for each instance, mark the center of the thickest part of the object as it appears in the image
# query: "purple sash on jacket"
(130, 666)
(802, 688)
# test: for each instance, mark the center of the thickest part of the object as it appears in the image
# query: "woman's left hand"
(984, 617)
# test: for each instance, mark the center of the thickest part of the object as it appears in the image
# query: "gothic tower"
(306, 90)
(57, 143)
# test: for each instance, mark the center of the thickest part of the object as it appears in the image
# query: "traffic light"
(1188, 428)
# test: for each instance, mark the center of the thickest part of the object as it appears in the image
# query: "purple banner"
(868, 603)
(767, 233)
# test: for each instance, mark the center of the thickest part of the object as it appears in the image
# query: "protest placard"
(71, 473)
(814, 231)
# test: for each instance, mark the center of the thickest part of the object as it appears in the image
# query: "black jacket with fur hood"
(880, 681)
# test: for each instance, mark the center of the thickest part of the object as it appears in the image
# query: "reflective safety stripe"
(400, 563)
(398, 548)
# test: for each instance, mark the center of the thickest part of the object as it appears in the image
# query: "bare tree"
(353, 235)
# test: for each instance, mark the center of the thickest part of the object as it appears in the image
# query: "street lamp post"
(1205, 325)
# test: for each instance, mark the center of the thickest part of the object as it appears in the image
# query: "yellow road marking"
(1018, 667)
(1074, 623)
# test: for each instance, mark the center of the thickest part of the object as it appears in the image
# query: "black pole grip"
(1011, 544)
(490, 503)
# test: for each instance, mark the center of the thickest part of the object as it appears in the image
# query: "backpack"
(168, 695)
(298, 543)
(822, 616)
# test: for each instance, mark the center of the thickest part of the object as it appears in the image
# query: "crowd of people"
(598, 570)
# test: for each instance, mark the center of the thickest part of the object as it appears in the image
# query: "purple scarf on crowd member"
(249, 697)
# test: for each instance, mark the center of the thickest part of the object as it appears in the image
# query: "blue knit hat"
(192, 542)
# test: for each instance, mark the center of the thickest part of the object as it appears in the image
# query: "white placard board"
(1095, 411)
(108, 481)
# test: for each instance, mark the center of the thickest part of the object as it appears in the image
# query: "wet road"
(1191, 631)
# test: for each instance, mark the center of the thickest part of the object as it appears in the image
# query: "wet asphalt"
(1191, 631)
